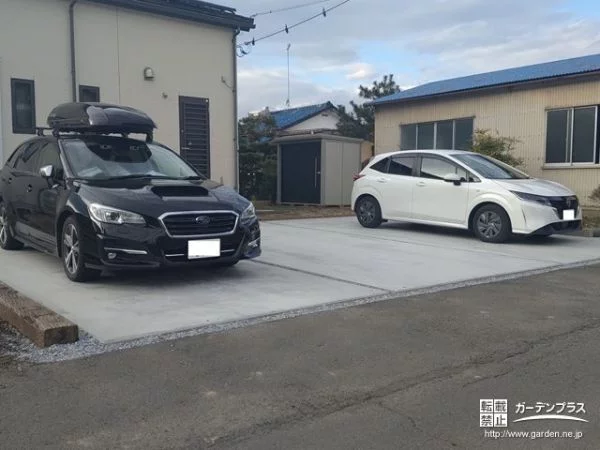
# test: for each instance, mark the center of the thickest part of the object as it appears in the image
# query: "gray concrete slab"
(134, 305)
(401, 256)
(306, 264)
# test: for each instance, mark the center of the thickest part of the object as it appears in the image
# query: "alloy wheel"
(489, 224)
(366, 211)
(3, 226)
(71, 249)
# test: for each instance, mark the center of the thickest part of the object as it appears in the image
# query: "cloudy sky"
(416, 40)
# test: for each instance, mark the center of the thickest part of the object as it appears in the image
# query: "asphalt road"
(406, 373)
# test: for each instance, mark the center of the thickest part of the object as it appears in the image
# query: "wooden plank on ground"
(43, 326)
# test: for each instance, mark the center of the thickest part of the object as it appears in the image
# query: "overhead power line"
(244, 49)
(289, 8)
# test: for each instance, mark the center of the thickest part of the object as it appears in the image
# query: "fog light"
(112, 256)
(253, 244)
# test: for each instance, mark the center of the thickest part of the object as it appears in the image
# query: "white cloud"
(361, 71)
(417, 41)
(268, 88)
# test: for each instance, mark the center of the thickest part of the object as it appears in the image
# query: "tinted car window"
(401, 165)
(49, 156)
(27, 160)
(437, 169)
(381, 166)
(15, 155)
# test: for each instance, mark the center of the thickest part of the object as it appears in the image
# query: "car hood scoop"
(179, 191)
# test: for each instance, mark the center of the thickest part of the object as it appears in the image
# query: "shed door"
(301, 173)
(195, 133)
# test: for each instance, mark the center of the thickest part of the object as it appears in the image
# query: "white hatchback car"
(462, 190)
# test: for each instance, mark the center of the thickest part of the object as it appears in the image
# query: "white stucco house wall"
(175, 60)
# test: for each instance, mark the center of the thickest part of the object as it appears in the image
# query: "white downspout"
(236, 139)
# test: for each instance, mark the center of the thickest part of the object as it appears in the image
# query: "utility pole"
(288, 63)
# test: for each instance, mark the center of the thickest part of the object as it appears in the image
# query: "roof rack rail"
(40, 130)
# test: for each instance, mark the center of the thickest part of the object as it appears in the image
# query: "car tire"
(368, 212)
(492, 224)
(73, 259)
(7, 240)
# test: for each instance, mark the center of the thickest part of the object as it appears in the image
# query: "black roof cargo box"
(99, 118)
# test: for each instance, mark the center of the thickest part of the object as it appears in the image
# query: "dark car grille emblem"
(202, 220)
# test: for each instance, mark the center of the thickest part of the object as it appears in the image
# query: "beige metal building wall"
(340, 160)
(518, 113)
(113, 46)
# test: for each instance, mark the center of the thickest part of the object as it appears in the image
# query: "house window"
(89, 94)
(453, 134)
(23, 106)
(425, 135)
(571, 135)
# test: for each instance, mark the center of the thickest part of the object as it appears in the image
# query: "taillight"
(357, 176)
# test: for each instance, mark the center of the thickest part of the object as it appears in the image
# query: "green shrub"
(495, 146)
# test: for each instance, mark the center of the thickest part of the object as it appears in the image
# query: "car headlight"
(115, 216)
(249, 213)
(533, 198)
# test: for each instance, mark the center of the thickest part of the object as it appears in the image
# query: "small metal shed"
(316, 168)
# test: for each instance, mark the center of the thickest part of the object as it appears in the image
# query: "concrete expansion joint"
(320, 275)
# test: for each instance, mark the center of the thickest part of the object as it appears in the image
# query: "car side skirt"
(459, 226)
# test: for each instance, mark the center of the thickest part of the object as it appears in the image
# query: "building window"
(89, 94)
(23, 106)
(571, 135)
(453, 134)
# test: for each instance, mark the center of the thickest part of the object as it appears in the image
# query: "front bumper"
(137, 247)
(543, 220)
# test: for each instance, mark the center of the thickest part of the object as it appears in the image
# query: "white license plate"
(569, 214)
(208, 248)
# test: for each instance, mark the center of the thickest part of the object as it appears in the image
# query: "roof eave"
(223, 19)
(487, 88)
(313, 137)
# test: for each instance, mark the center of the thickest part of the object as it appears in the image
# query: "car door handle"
(421, 184)
(382, 180)
(9, 180)
(29, 188)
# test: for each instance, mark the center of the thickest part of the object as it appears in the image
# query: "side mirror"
(47, 172)
(453, 178)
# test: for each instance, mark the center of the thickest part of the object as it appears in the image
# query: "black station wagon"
(100, 199)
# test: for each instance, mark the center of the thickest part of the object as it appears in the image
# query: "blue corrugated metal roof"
(523, 74)
(290, 117)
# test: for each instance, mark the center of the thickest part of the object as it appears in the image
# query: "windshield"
(110, 157)
(490, 168)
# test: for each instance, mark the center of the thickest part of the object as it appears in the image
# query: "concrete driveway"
(308, 265)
